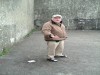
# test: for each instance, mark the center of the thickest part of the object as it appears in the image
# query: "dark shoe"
(52, 59)
(62, 56)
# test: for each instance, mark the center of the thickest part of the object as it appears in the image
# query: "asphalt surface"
(81, 47)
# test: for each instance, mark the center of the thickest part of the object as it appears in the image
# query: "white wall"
(16, 20)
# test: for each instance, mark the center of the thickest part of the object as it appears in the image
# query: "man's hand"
(55, 37)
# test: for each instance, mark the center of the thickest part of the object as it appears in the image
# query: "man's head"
(57, 18)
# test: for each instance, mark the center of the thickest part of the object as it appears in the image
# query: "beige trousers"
(55, 48)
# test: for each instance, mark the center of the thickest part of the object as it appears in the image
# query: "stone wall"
(76, 13)
(16, 20)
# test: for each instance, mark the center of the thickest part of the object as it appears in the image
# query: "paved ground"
(82, 48)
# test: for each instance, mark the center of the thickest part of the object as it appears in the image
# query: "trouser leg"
(59, 49)
(51, 48)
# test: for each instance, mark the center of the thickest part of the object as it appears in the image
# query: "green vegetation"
(4, 51)
(33, 30)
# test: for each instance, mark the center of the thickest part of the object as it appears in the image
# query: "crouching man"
(54, 34)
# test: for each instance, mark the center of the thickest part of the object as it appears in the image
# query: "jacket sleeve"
(65, 33)
(46, 29)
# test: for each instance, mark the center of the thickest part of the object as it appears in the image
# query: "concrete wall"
(76, 13)
(16, 20)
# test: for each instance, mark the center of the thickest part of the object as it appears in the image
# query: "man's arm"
(46, 29)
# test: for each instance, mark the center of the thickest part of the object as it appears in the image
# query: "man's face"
(57, 19)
